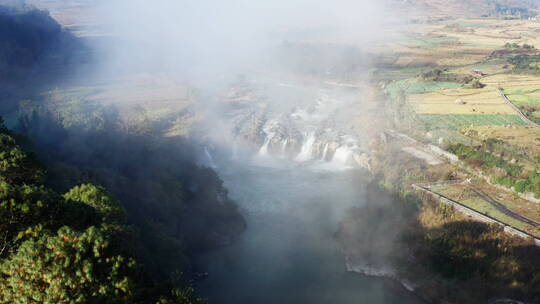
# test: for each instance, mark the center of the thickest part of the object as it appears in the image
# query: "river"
(288, 253)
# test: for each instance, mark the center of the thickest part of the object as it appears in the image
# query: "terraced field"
(461, 46)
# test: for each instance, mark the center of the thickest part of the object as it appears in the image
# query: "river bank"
(448, 257)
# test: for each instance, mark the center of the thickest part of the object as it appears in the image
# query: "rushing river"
(288, 253)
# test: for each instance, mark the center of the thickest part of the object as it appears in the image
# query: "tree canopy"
(71, 248)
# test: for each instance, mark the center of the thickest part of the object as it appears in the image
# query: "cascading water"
(307, 148)
(325, 152)
(284, 148)
(288, 253)
(264, 149)
(300, 123)
(343, 155)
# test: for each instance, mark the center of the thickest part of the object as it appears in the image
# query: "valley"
(394, 161)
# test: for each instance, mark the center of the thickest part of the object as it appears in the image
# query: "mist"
(269, 151)
(235, 132)
(283, 88)
(201, 40)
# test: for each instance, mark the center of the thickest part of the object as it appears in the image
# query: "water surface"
(288, 253)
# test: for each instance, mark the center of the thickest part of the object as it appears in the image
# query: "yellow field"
(494, 32)
(525, 137)
(457, 61)
(476, 101)
(489, 68)
(475, 39)
(511, 81)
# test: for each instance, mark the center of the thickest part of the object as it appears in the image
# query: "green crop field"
(524, 99)
(520, 91)
(416, 86)
(429, 42)
(454, 121)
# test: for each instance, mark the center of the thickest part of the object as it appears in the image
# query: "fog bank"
(200, 39)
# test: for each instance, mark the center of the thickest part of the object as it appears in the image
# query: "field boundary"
(471, 212)
(513, 106)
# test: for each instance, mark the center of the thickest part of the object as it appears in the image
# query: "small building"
(478, 72)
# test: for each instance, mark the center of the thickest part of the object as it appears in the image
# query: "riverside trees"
(75, 248)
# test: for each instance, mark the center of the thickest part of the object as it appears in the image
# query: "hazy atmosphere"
(204, 38)
(269, 151)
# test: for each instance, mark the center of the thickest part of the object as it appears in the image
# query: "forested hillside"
(72, 247)
(34, 50)
(110, 214)
(93, 210)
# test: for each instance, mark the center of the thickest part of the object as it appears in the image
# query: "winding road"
(518, 111)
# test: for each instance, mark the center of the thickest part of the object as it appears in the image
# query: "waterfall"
(342, 155)
(325, 152)
(264, 149)
(209, 159)
(307, 148)
(284, 147)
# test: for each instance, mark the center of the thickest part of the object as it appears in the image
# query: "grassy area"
(455, 121)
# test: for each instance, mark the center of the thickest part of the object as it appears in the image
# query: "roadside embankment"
(471, 213)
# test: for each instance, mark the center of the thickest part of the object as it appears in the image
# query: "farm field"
(416, 86)
(482, 197)
(460, 101)
(463, 47)
(455, 121)
(514, 84)
(491, 67)
(490, 33)
(521, 90)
